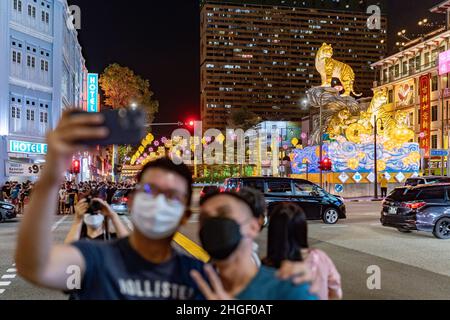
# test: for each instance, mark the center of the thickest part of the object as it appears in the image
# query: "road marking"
(8, 276)
(2, 290)
(13, 270)
(56, 225)
(5, 283)
(191, 247)
(335, 227)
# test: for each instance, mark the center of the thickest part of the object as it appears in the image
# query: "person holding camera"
(91, 222)
(144, 266)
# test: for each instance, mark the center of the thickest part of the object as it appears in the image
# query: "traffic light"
(75, 167)
(190, 123)
(326, 164)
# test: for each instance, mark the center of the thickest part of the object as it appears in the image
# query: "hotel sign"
(425, 113)
(27, 147)
(92, 92)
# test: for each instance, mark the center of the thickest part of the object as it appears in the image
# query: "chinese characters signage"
(92, 91)
(425, 114)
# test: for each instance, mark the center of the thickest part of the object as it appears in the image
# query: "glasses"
(171, 195)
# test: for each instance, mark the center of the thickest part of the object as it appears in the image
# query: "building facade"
(261, 54)
(402, 75)
(42, 72)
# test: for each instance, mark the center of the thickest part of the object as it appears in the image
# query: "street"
(413, 266)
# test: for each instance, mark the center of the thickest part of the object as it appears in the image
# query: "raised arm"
(38, 259)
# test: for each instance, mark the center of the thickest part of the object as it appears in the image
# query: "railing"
(411, 71)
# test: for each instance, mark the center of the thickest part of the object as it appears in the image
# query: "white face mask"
(94, 221)
(155, 217)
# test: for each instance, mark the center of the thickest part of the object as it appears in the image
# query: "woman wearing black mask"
(228, 230)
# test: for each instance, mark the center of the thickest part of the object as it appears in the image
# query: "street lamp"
(375, 145)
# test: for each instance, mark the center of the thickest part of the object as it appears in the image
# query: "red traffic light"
(75, 166)
(326, 164)
(191, 123)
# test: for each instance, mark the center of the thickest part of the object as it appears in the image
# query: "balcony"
(411, 72)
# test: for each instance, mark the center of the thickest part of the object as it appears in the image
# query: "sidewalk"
(363, 199)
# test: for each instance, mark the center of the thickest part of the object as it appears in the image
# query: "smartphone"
(126, 127)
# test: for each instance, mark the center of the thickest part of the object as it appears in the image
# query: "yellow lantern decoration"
(353, 163)
(221, 138)
(381, 165)
(355, 131)
(141, 149)
(295, 142)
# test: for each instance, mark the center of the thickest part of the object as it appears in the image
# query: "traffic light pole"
(321, 147)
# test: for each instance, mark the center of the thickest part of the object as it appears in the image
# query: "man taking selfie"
(141, 267)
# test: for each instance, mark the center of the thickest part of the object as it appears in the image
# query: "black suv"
(422, 208)
(316, 202)
(7, 211)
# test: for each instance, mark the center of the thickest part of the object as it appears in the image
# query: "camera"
(94, 206)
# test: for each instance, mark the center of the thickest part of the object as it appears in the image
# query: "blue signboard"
(27, 147)
(339, 188)
(438, 153)
(92, 92)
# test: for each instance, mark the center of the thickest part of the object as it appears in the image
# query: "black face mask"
(220, 237)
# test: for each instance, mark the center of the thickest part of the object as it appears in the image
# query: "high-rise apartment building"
(261, 54)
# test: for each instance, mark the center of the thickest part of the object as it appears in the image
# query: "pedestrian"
(288, 240)
(62, 199)
(123, 268)
(228, 228)
(92, 222)
(6, 191)
(110, 193)
(384, 183)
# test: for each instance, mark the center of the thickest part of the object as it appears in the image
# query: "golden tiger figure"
(330, 68)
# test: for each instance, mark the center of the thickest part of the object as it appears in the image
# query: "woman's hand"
(80, 209)
(107, 211)
(297, 272)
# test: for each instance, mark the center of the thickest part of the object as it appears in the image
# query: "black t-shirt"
(6, 190)
(115, 271)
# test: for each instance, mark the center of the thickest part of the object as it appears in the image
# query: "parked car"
(422, 208)
(207, 190)
(316, 202)
(7, 211)
(119, 202)
(426, 180)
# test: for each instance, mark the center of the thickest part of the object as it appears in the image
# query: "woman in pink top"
(288, 240)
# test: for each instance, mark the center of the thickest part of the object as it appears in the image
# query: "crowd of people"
(142, 264)
(17, 194)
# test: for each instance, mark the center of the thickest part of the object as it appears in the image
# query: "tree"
(243, 118)
(122, 87)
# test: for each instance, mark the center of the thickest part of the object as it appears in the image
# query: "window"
(16, 57)
(434, 113)
(405, 68)
(44, 65)
(32, 11)
(45, 17)
(434, 141)
(255, 184)
(31, 61)
(390, 96)
(17, 5)
(280, 187)
(419, 115)
(427, 59)
(434, 83)
(397, 70)
(418, 63)
(432, 194)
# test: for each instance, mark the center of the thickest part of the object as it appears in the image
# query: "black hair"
(238, 196)
(168, 165)
(257, 198)
(287, 234)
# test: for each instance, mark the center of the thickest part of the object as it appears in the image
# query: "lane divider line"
(56, 225)
(191, 247)
(8, 276)
(12, 270)
(2, 290)
(5, 283)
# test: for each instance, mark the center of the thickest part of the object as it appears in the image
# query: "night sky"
(160, 41)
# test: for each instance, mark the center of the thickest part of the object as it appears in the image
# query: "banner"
(23, 169)
(425, 114)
